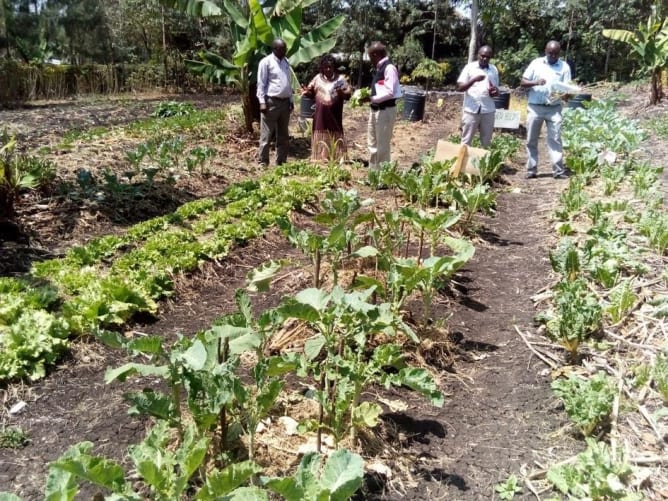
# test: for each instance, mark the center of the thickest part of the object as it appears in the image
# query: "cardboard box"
(463, 154)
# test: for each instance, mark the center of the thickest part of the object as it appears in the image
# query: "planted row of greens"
(112, 278)
(366, 264)
(609, 298)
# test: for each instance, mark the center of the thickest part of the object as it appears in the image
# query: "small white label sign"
(507, 119)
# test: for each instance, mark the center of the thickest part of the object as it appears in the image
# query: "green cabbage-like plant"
(588, 402)
(338, 479)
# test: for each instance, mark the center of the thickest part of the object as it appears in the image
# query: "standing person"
(539, 76)
(330, 90)
(385, 90)
(274, 91)
(480, 81)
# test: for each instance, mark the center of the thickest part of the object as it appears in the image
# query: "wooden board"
(463, 154)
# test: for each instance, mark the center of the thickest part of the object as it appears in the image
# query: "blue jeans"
(551, 115)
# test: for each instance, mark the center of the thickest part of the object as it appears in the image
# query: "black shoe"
(530, 175)
(562, 175)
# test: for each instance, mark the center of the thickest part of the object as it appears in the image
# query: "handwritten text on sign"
(507, 119)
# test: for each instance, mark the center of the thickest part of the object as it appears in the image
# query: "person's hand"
(263, 108)
(478, 78)
(540, 81)
(493, 91)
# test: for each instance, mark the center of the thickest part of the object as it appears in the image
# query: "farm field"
(487, 355)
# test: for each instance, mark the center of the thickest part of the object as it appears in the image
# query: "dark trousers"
(275, 120)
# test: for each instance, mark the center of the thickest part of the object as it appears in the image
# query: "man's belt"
(390, 103)
(275, 98)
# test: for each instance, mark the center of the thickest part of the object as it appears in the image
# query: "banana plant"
(253, 31)
(649, 43)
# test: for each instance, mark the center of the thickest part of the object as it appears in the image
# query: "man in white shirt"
(480, 81)
(274, 91)
(544, 106)
(385, 90)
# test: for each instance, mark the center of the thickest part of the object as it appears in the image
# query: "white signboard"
(507, 119)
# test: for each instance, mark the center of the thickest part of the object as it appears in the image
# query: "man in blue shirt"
(274, 91)
(544, 106)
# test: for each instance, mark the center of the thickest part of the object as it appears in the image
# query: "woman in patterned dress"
(330, 90)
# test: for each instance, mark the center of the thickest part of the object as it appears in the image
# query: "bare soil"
(499, 417)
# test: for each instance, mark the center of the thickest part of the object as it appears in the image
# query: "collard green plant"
(595, 475)
(577, 315)
(471, 200)
(338, 479)
(431, 227)
(336, 359)
(565, 259)
(572, 199)
(654, 226)
(586, 133)
(160, 469)
(588, 401)
(491, 165)
(644, 179)
(622, 298)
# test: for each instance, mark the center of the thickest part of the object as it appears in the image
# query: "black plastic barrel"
(502, 100)
(307, 107)
(577, 100)
(414, 100)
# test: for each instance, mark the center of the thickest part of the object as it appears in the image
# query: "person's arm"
(529, 78)
(261, 92)
(465, 80)
(531, 83)
(344, 91)
(309, 90)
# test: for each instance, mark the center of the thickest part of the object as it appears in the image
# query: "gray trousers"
(379, 135)
(471, 122)
(551, 115)
(274, 121)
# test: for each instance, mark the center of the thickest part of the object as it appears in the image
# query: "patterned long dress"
(327, 141)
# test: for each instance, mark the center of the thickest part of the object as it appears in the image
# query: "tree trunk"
(433, 42)
(247, 107)
(656, 91)
(474, 31)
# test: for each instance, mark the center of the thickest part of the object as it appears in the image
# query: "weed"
(660, 376)
(507, 490)
(13, 437)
